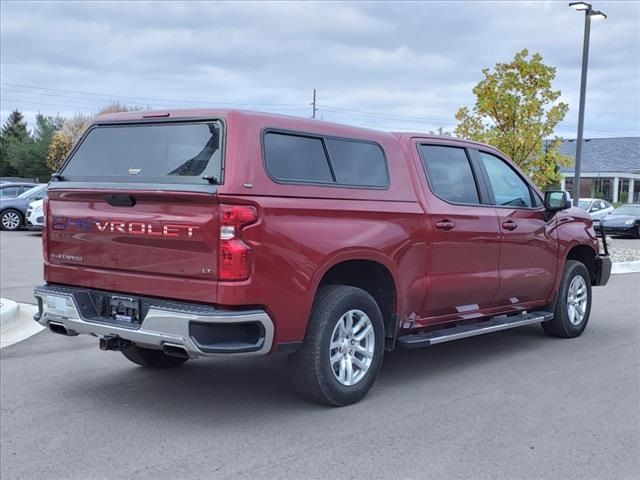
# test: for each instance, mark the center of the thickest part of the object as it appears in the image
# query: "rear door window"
(449, 173)
(162, 153)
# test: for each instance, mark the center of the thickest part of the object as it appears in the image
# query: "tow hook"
(111, 342)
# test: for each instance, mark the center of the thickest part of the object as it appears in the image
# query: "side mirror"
(555, 201)
(593, 209)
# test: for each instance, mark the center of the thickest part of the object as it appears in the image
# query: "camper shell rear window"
(149, 153)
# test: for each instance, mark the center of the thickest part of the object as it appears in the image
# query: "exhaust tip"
(175, 351)
(58, 328)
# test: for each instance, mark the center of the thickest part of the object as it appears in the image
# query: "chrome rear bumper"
(189, 326)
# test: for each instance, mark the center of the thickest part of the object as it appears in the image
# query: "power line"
(154, 99)
(96, 108)
(280, 107)
(334, 109)
(200, 102)
(187, 80)
(49, 104)
(388, 127)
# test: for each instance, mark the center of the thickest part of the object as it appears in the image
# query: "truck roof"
(263, 117)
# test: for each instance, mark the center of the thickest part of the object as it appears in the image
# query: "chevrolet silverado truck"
(194, 233)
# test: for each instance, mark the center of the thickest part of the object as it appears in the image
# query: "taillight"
(234, 258)
(45, 236)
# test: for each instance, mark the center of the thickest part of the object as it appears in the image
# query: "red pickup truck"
(191, 233)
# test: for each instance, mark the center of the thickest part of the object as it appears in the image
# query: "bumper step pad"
(457, 332)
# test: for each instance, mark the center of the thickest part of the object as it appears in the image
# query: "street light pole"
(588, 13)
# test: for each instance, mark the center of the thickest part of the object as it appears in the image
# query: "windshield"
(148, 153)
(584, 204)
(33, 191)
(627, 210)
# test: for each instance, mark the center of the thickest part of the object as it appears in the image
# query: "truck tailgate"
(151, 243)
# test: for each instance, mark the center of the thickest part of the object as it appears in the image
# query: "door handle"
(445, 225)
(509, 225)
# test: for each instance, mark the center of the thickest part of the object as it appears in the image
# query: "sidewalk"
(16, 322)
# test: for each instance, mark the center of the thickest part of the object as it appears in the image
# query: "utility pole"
(313, 104)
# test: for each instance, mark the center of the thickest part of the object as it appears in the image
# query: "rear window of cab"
(301, 158)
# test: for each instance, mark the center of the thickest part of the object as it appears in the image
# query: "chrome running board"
(457, 332)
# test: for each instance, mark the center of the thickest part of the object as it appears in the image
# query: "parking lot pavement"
(625, 242)
(511, 405)
(21, 265)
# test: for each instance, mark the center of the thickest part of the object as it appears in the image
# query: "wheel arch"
(370, 273)
(586, 255)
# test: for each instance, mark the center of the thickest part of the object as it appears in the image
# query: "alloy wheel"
(352, 346)
(10, 220)
(577, 300)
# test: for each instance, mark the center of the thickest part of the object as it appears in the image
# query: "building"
(610, 169)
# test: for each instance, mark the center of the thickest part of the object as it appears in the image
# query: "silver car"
(595, 207)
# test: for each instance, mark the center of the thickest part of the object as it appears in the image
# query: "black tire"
(561, 325)
(4, 217)
(311, 370)
(151, 358)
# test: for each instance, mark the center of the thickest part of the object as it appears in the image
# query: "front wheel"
(343, 349)
(573, 305)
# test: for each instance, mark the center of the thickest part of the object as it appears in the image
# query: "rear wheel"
(573, 305)
(10, 220)
(343, 349)
(151, 358)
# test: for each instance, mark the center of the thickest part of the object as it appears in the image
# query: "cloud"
(393, 65)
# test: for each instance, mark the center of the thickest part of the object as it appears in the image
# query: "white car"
(35, 215)
(596, 208)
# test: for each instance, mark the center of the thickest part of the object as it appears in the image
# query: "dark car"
(624, 220)
(13, 210)
(13, 189)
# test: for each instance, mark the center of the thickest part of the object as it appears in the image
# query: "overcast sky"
(393, 66)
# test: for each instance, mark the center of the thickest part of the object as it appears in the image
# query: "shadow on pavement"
(245, 389)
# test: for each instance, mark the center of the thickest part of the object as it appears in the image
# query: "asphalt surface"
(511, 405)
(20, 265)
(624, 242)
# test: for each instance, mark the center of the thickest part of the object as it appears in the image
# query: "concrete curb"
(16, 322)
(626, 267)
(9, 312)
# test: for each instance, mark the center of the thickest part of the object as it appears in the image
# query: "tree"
(64, 139)
(71, 131)
(516, 109)
(13, 130)
(29, 156)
